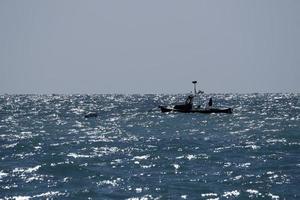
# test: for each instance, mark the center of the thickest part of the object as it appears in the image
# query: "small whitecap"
(10, 145)
(37, 147)
(138, 190)
(66, 179)
(77, 111)
(148, 166)
(32, 169)
(3, 174)
(74, 155)
(21, 197)
(113, 119)
(190, 157)
(274, 197)
(17, 170)
(233, 193)
(28, 170)
(237, 177)
(251, 191)
(144, 157)
(252, 146)
(283, 140)
(275, 176)
(209, 195)
(184, 196)
(227, 164)
(113, 183)
(30, 179)
(271, 130)
(48, 194)
(244, 165)
(176, 166)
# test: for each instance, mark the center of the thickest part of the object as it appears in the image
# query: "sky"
(157, 46)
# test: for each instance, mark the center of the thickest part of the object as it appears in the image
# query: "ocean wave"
(133, 151)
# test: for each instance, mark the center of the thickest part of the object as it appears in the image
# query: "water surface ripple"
(132, 151)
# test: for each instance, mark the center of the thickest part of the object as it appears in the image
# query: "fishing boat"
(188, 106)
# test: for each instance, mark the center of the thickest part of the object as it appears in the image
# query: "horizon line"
(216, 93)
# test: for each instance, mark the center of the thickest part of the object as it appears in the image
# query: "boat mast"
(195, 89)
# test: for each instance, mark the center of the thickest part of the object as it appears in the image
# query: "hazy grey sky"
(157, 46)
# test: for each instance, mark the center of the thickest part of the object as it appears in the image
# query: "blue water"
(132, 151)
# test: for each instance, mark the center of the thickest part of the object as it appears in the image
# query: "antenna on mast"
(195, 89)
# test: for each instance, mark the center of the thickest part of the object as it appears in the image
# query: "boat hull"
(199, 110)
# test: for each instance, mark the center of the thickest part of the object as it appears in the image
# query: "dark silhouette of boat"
(188, 107)
(196, 110)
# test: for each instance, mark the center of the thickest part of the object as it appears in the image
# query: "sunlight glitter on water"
(132, 151)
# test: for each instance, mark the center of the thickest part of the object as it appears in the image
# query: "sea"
(49, 150)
